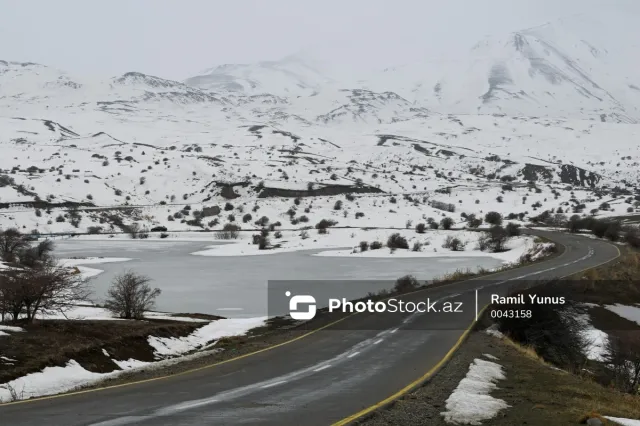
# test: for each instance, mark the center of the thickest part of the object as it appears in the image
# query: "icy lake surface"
(237, 286)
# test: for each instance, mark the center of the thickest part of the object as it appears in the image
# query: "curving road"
(318, 380)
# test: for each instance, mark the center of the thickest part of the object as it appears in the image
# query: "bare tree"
(623, 357)
(10, 302)
(12, 242)
(133, 230)
(35, 256)
(130, 295)
(43, 289)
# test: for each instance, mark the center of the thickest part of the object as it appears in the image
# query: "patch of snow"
(86, 273)
(79, 313)
(172, 346)
(470, 403)
(168, 316)
(596, 339)
(495, 358)
(493, 331)
(51, 380)
(11, 328)
(624, 422)
(92, 260)
(130, 364)
(632, 313)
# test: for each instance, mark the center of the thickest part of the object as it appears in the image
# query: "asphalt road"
(317, 380)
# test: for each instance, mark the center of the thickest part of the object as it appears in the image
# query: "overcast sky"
(177, 39)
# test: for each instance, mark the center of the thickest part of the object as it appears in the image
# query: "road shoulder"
(537, 393)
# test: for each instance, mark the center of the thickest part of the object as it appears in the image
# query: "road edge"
(360, 415)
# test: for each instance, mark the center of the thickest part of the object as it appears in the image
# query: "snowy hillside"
(541, 123)
(554, 70)
(289, 76)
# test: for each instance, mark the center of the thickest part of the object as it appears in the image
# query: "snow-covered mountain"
(290, 76)
(553, 70)
(537, 120)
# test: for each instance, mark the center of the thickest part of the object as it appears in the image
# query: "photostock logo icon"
(302, 299)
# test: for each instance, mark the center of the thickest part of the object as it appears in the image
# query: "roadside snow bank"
(493, 331)
(470, 403)
(171, 346)
(53, 380)
(49, 381)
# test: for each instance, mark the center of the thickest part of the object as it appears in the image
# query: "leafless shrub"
(396, 241)
(45, 287)
(453, 243)
(623, 358)
(406, 283)
(130, 295)
(228, 232)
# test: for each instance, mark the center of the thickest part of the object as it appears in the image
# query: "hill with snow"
(535, 121)
(553, 70)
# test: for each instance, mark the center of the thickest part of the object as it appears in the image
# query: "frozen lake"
(237, 286)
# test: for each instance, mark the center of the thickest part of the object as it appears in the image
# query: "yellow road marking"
(177, 374)
(413, 384)
(440, 363)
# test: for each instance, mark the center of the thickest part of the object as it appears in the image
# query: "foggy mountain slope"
(287, 77)
(554, 70)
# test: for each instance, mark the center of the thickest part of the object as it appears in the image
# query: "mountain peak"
(138, 78)
(290, 75)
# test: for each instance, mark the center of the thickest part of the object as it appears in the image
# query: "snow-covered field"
(492, 130)
(430, 244)
(139, 149)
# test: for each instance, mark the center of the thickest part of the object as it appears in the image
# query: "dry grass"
(54, 343)
(562, 398)
(625, 268)
(538, 395)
